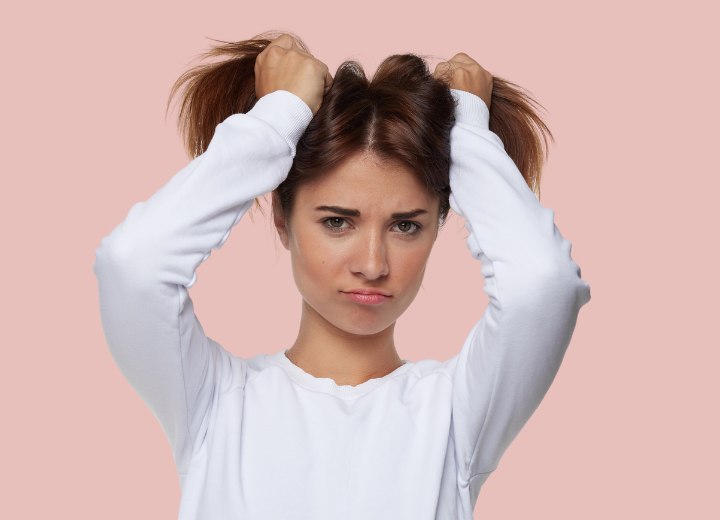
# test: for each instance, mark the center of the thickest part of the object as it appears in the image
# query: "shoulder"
(432, 367)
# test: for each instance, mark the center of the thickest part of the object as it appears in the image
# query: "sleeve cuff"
(470, 108)
(285, 112)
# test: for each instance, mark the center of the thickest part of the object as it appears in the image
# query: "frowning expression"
(364, 225)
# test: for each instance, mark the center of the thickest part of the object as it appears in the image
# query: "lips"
(367, 297)
(368, 292)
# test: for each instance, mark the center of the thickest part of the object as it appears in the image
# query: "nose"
(370, 257)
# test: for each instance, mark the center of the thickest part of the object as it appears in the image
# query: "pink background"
(629, 428)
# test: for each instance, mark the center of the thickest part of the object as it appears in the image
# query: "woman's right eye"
(330, 221)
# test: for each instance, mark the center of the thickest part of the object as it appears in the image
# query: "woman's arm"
(535, 290)
(146, 265)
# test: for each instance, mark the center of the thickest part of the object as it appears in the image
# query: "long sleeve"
(146, 265)
(512, 354)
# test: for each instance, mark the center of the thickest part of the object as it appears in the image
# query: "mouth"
(367, 297)
(368, 292)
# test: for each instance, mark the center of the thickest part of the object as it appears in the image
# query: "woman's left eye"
(415, 227)
(413, 230)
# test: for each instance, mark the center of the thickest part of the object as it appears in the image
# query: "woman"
(362, 176)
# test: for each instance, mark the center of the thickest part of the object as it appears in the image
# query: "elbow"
(561, 275)
(564, 284)
(118, 258)
(104, 256)
(110, 252)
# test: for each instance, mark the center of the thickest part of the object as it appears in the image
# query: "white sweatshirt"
(260, 439)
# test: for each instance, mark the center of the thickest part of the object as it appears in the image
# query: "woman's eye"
(333, 220)
(411, 230)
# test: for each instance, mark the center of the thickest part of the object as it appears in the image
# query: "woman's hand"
(464, 73)
(283, 65)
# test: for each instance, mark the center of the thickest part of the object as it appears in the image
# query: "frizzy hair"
(403, 116)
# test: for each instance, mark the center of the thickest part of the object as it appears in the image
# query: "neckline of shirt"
(327, 384)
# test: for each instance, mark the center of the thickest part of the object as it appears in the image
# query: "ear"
(280, 220)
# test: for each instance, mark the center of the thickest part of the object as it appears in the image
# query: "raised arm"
(146, 265)
(535, 291)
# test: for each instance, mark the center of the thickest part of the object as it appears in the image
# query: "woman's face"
(333, 252)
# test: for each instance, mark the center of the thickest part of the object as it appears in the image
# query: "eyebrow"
(347, 212)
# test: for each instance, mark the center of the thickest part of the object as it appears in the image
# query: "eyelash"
(325, 221)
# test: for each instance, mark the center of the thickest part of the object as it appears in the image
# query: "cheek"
(314, 261)
(414, 258)
(410, 266)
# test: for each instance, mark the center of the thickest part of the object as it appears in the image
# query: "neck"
(323, 350)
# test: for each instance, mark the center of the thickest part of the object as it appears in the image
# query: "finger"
(440, 67)
(328, 79)
(284, 40)
(443, 70)
(461, 57)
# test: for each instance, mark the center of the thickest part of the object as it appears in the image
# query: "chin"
(354, 319)
(365, 325)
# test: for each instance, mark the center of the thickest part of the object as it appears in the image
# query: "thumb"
(442, 70)
(328, 80)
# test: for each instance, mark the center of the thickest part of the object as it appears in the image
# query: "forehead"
(367, 182)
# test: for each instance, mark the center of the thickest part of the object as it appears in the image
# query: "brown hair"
(403, 116)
